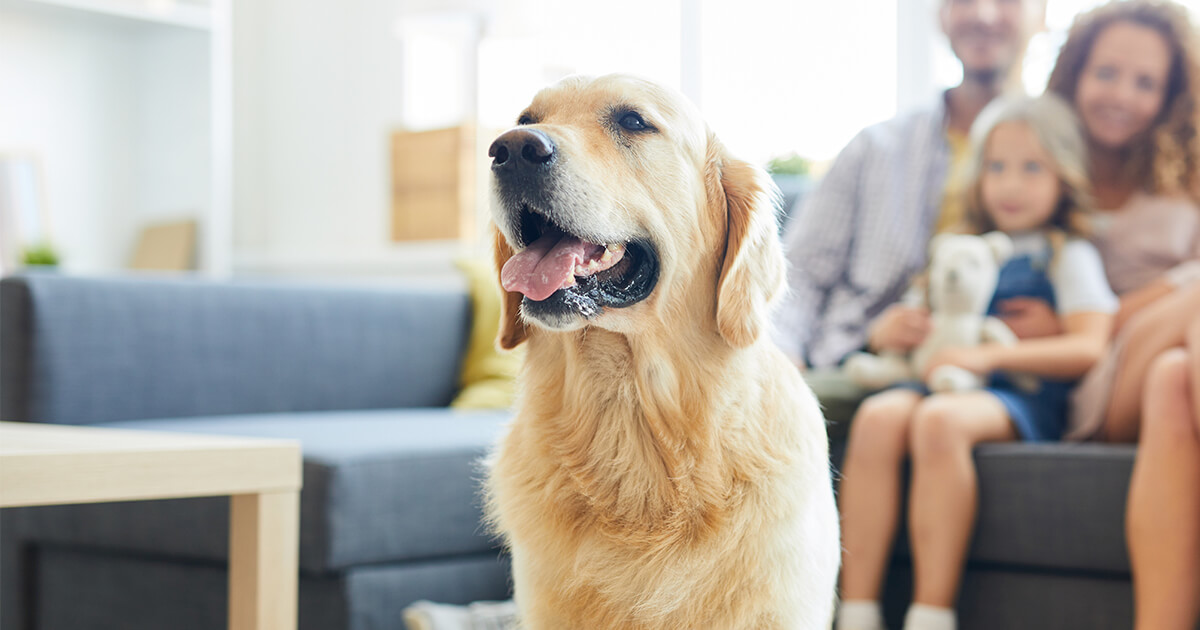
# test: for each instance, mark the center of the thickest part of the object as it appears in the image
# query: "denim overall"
(1040, 415)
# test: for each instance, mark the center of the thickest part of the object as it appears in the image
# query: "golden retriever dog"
(667, 467)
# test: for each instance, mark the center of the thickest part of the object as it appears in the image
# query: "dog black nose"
(521, 147)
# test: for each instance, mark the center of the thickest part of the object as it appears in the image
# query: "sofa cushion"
(379, 486)
(86, 350)
(1054, 506)
(1000, 598)
(489, 374)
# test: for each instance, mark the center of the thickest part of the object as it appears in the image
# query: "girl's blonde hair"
(1165, 159)
(1060, 134)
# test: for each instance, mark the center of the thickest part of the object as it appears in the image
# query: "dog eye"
(632, 121)
(525, 119)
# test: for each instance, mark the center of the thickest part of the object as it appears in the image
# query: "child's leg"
(1157, 327)
(869, 494)
(942, 501)
(1163, 518)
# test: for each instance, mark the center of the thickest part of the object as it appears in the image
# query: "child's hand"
(1030, 317)
(977, 360)
(898, 327)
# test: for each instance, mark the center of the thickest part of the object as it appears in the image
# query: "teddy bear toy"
(962, 275)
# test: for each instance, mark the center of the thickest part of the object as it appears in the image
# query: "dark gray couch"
(389, 510)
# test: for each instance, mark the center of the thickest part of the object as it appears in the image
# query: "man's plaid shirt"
(861, 235)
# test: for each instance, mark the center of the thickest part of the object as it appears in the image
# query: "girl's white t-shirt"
(1076, 273)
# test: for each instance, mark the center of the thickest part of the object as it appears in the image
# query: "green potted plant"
(793, 174)
(41, 256)
(789, 165)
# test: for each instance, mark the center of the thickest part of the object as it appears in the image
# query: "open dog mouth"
(559, 271)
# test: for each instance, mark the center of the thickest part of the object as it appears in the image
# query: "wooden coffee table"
(45, 464)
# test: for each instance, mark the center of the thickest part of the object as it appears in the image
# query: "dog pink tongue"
(546, 265)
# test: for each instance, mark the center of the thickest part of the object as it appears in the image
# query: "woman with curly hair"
(1132, 71)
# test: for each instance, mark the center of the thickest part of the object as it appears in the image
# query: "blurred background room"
(348, 139)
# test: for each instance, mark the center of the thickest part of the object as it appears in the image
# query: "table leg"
(264, 541)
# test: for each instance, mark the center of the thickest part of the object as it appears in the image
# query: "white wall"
(173, 118)
(316, 95)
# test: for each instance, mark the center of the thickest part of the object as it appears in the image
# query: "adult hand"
(977, 360)
(900, 328)
(1030, 317)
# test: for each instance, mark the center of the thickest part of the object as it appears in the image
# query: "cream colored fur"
(667, 468)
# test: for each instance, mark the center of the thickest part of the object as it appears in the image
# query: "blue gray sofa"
(360, 376)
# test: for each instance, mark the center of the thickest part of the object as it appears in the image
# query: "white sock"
(484, 615)
(922, 617)
(426, 615)
(859, 614)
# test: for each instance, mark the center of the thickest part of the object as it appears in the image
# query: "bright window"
(803, 77)
(772, 77)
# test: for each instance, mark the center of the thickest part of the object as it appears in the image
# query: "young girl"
(1029, 180)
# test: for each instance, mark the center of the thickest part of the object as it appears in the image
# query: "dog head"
(963, 269)
(613, 202)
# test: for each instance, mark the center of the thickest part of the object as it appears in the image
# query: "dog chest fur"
(643, 496)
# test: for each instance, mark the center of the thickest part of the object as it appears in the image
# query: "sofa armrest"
(83, 350)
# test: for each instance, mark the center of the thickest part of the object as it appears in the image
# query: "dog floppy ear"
(753, 270)
(512, 329)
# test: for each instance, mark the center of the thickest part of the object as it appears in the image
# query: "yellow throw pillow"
(488, 378)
